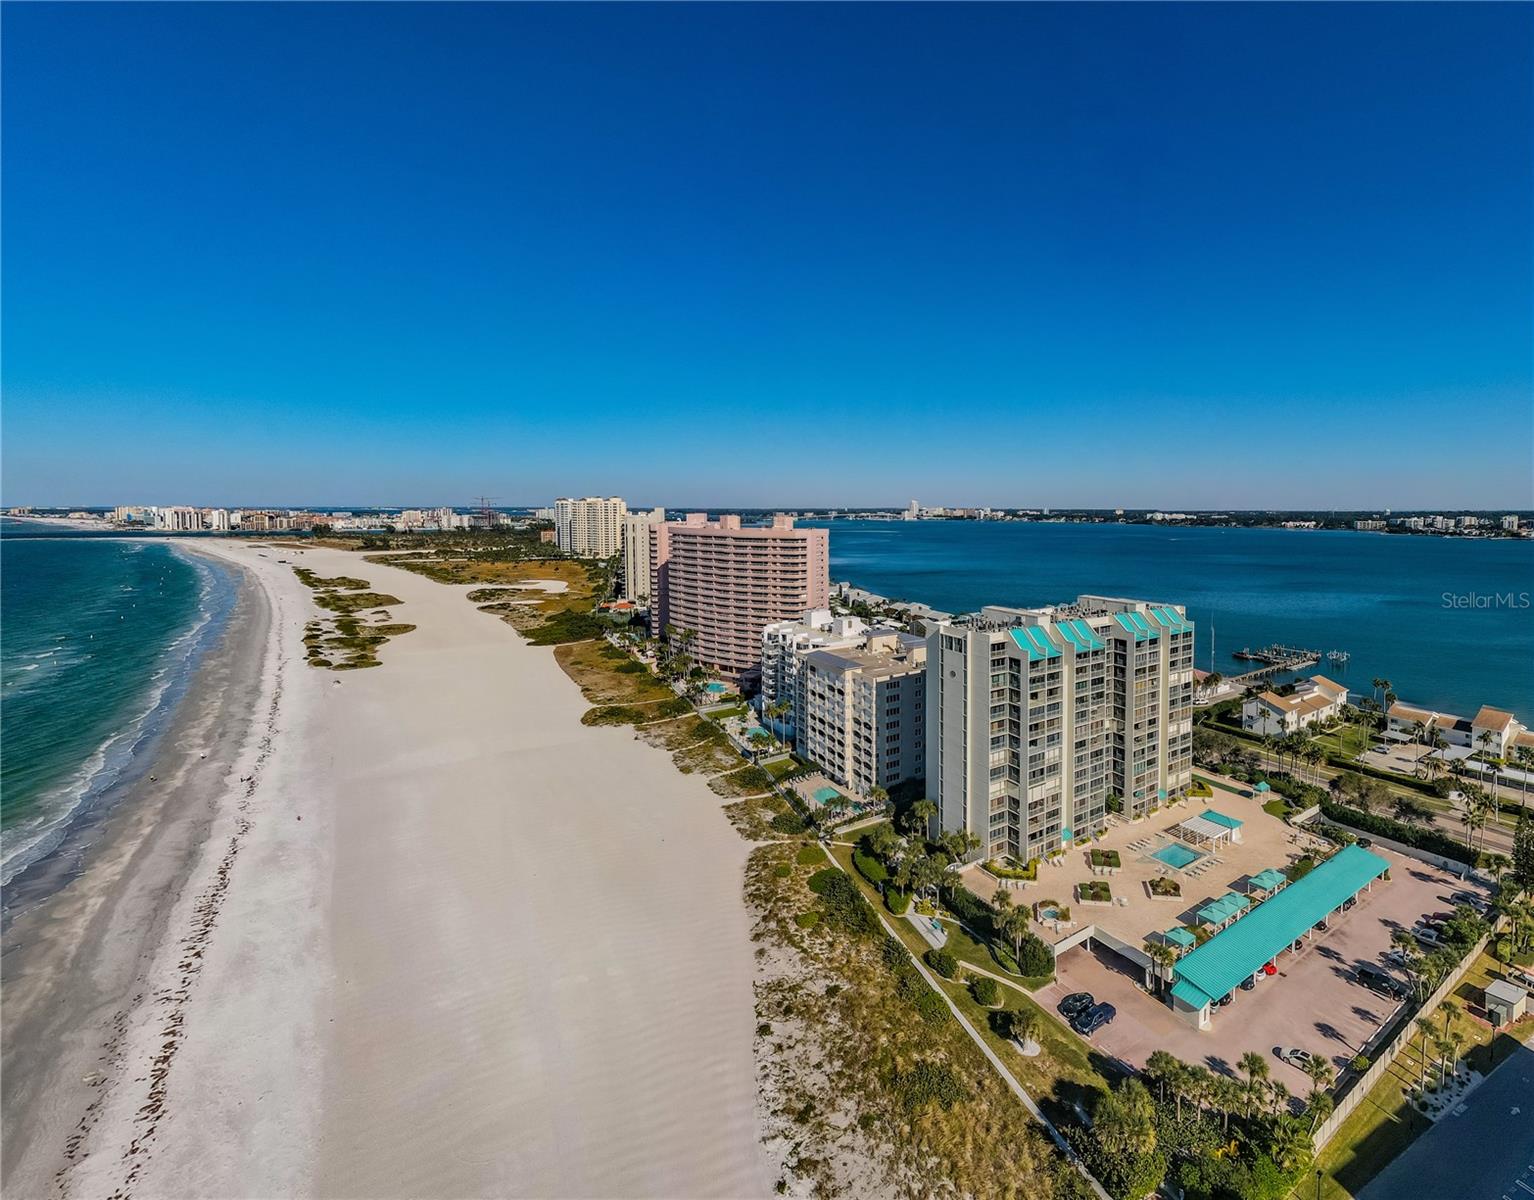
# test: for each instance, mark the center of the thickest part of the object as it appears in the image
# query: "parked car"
(1396, 958)
(1225, 999)
(1365, 843)
(1248, 983)
(1089, 1022)
(1436, 918)
(1075, 1004)
(1426, 934)
(1381, 982)
(1320, 927)
(1294, 1057)
(1479, 903)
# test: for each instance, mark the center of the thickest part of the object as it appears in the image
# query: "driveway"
(1313, 1002)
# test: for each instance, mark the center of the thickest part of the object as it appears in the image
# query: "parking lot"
(1313, 1003)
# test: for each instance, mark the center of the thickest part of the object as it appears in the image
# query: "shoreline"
(76, 962)
(76, 834)
(420, 931)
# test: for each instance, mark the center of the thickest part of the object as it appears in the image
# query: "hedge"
(869, 867)
(897, 901)
(1431, 840)
(985, 990)
(943, 962)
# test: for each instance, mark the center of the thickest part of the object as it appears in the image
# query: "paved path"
(1486, 1152)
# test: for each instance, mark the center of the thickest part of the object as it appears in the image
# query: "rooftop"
(1238, 951)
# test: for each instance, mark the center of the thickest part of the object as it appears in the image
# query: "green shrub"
(1433, 840)
(566, 626)
(810, 856)
(844, 905)
(930, 1007)
(869, 868)
(782, 870)
(897, 901)
(1035, 959)
(893, 952)
(943, 962)
(807, 920)
(985, 990)
(789, 823)
(929, 1083)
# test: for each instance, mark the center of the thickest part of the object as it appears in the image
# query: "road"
(1482, 1150)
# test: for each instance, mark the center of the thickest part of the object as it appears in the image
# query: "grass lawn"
(596, 666)
(1346, 741)
(779, 767)
(1385, 1124)
(724, 714)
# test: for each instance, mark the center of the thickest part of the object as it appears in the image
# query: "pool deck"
(1266, 842)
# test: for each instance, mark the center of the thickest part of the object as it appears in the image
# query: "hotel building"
(1035, 717)
(861, 711)
(725, 584)
(636, 553)
(591, 527)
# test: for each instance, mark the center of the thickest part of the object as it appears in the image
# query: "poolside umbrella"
(1263, 786)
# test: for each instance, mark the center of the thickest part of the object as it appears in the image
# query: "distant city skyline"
(1176, 257)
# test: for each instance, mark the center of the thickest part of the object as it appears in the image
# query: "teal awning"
(1220, 818)
(1191, 994)
(1269, 880)
(1235, 953)
(1179, 936)
(1035, 642)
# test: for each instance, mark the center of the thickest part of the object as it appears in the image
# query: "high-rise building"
(1038, 718)
(784, 646)
(724, 584)
(591, 527)
(860, 713)
(636, 553)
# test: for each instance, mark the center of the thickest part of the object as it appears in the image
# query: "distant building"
(1313, 700)
(591, 527)
(636, 553)
(1036, 716)
(724, 584)
(861, 714)
(1510, 522)
(1370, 526)
(546, 537)
(1490, 732)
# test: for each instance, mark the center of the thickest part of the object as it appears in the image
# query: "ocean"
(101, 636)
(1447, 620)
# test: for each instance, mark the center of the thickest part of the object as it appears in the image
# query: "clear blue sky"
(1150, 255)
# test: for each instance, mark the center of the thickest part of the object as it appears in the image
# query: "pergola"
(1226, 909)
(1267, 882)
(1209, 828)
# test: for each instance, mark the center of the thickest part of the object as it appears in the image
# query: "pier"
(1274, 659)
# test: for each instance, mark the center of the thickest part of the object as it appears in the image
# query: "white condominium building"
(784, 646)
(1038, 716)
(861, 712)
(591, 527)
(636, 553)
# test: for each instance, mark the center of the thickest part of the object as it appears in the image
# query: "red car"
(1270, 969)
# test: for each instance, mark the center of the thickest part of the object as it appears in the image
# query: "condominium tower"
(591, 527)
(724, 584)
(860, 714)
(636, 552)
(1035, 717)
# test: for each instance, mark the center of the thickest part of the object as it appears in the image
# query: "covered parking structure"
(1212, 971)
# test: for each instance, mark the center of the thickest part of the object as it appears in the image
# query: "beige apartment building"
(860, 713)
(724, 583)
(636, 553)
(1036, 717)
(591, 527)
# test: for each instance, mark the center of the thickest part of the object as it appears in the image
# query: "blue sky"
(1150, 255)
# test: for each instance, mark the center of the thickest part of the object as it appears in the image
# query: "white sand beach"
(444, 940)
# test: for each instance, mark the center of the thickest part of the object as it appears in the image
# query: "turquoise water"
(1176, 855)
(1447, 620)
(825, 795)
(715, 688)
(100, 638)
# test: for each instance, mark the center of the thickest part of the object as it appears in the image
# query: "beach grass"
(860, 1061)
(348, 641)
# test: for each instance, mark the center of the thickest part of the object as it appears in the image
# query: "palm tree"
(1319, 1070)
(1025, 1025)
(1013, 924)
(920, 817)
(1427, 1031)
(1255, 1067)
(1524, 757)
(1290, 1147)
(1162, 956)
(1160, 1068)
(1318, 1105)
(1379, 686)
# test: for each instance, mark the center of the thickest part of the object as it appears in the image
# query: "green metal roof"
(1191, 994)
(1171, 619)
(1222, 962)
(1086, 633)
(1033, 640)
(1179, 936)
(1220, 818)
(1269, 879)
(1227, 906)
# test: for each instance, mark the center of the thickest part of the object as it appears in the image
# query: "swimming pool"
(1176, 855)
(825, 795)
(715, 688)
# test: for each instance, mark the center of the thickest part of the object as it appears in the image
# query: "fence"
(1355, 1095)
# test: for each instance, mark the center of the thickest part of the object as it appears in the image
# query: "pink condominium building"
(726, 584)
